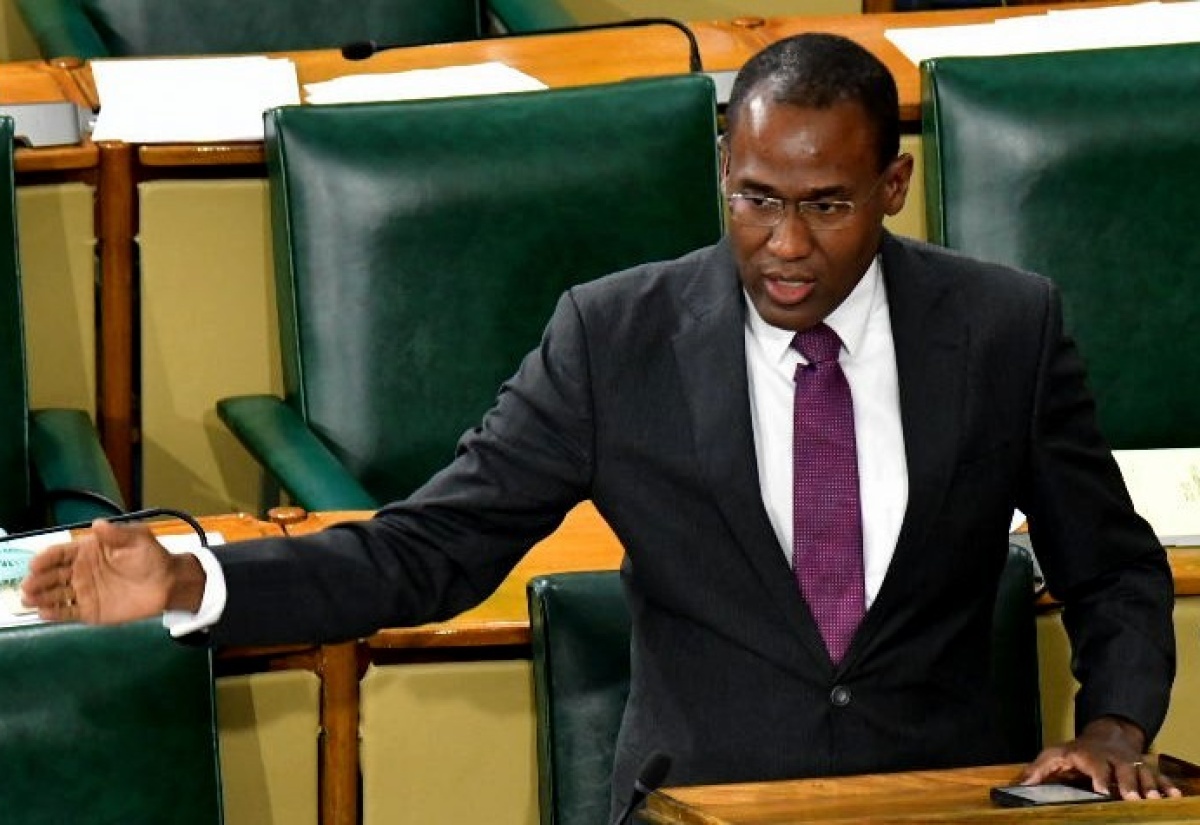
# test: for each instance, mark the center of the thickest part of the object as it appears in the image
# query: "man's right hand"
(113, 574)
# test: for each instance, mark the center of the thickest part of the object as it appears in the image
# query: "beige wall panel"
(1178, 735)
(57, 246)
(601, 11)
(911, 220)
(269, 727)
(447, 744)
(208, 331)
(1057, 684)
(15, 41)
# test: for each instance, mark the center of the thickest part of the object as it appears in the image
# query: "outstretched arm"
(113, 574)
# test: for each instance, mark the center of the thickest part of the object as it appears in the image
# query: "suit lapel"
(931, 343)
(710, 353)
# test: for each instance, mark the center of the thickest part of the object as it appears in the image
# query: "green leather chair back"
(15, 481)
(580, 630)
(420, 247)
(534, 15)
(1084, 166)
(141, 28)
(56, 450)
(106, 725)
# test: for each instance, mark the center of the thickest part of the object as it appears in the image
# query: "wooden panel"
(449, 743)
(269, 725)
(58, 284)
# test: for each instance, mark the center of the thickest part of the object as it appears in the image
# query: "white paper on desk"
(12, 612)
(1142, 24)
(452, 81)
(1165, 487)
(191, 100)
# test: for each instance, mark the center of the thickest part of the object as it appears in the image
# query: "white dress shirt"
(868, 359)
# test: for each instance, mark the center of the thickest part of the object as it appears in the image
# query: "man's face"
(797, 272)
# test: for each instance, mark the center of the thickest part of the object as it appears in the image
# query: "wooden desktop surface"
(583, 541)
(958, 796)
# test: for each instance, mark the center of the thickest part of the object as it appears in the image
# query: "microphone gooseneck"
(135, 515)
(363, 49)
(650, 777)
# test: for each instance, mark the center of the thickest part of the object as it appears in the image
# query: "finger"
(1135, 780)
(59, 605)
(40, 582)
(53, 557)
(1048, 764)
(115, 536)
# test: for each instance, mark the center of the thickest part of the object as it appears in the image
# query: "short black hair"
(818, 70)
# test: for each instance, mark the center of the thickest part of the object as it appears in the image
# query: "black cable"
(136, 515)
(362, 49)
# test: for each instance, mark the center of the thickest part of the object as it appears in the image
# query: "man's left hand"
(1109, 752)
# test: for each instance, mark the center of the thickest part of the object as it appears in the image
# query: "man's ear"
(723, 158)
(895, 190)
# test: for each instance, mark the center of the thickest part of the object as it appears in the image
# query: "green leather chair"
(535, 15)
(1084, 166)
(579, 627)
(51, 462)
(420, 248)
(143, 28)
(100, 726)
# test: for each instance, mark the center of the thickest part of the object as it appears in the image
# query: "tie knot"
(818, 344)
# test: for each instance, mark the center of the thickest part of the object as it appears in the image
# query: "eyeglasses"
(750, 209)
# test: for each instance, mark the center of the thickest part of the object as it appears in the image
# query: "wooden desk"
(916, 798)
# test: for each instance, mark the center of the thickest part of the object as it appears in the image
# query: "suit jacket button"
(840, 696)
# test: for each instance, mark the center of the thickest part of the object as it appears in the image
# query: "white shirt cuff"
(212, 604)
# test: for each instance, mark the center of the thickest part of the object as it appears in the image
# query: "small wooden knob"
(749, 22)
(286, 516)
(67, 63)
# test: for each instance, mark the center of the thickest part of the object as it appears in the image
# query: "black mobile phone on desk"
(1051, 793)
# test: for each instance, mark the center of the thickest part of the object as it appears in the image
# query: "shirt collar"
(848, 320)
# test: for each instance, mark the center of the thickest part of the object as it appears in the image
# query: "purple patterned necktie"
(826, 514)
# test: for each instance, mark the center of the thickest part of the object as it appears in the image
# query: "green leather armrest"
(70, 464)
(279, 439)
(61, 29)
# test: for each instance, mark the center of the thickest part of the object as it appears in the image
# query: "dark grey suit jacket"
(637, 399)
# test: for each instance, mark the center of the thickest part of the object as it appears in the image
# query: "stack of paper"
(452, 81)
(190, 100)
(1141, 24)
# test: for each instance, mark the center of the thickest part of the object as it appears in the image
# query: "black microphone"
(653, 772)
(136, 515)
(362, 49)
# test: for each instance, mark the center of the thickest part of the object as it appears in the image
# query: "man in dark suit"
(668, 395)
